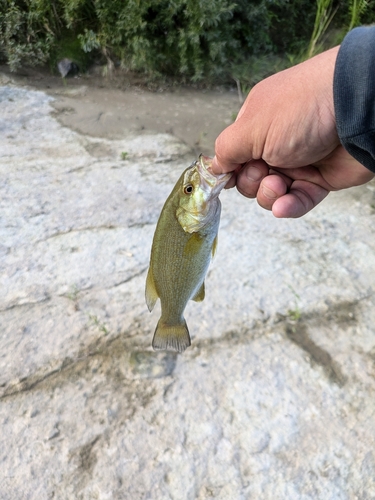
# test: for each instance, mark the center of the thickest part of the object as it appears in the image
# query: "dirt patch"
(112, 108)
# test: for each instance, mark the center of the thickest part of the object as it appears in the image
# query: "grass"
(322, 38)
(324, 15)
(73, 293)
(97, 322)
(357, 9)
(70, 47)
(295, 314)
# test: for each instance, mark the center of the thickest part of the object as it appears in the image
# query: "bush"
(22, 36)
(189, 39)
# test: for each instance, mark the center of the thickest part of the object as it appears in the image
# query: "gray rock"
(275, 397)
(67, 67)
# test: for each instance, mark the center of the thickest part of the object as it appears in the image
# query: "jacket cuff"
(354, 95)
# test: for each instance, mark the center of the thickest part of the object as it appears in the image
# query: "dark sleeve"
(354, 95)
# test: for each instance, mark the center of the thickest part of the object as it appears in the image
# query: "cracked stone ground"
(275, 397)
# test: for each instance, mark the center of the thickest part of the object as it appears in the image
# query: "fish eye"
(188, 189)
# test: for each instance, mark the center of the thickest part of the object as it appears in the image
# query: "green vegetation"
(325, 13)
(357, 10)
(295, 314)
(97, 322)
(188, 40)
(73, 293)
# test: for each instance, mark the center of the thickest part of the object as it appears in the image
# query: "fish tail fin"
(171, 337)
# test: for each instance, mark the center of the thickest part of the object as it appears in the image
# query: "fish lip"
(210, 180)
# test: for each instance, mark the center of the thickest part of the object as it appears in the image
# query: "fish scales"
(184, 241)
(187, 268)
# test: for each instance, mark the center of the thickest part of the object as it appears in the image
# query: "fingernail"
(268, 193)
(253, 174)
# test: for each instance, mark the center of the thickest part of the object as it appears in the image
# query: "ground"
(275, 397)
(100, 106)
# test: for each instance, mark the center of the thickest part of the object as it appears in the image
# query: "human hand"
(284, 146)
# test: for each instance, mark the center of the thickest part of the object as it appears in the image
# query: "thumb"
(233, 148)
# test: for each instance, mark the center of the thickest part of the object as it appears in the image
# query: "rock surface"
(275, 399)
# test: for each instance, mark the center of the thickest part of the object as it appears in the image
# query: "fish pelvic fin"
(199, 296)
(214, 247)
(171, 337)
(151, 293)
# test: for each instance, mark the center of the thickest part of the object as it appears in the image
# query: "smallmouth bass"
(185, 239)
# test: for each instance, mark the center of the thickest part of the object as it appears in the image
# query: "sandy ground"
(110, 108)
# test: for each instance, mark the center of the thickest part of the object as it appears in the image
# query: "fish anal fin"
(151, 293)
(199, 296)
(171, 337)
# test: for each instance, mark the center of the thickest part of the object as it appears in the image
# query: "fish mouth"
(211, 182)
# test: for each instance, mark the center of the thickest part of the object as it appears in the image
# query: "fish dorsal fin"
(214, 247)
(151, 293)
(199, 296)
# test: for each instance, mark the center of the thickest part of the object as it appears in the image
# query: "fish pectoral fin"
(151, 293)
(199, 296)
(193, 244)
(214, 247)
(171, 337)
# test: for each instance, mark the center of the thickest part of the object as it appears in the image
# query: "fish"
(184, 242)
